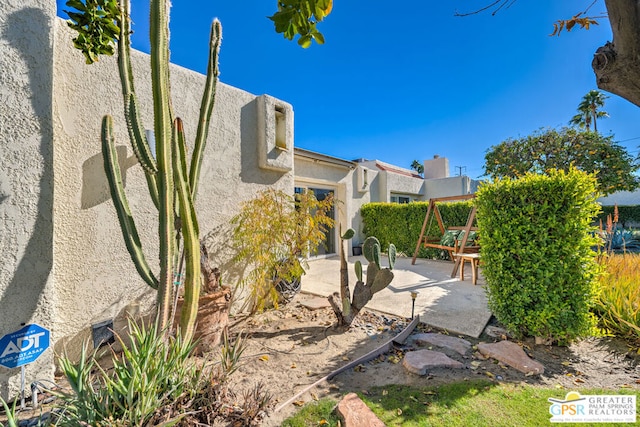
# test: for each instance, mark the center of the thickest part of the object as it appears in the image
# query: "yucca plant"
(618, 304)
(154, 382)
(10, 413)
(146, 377)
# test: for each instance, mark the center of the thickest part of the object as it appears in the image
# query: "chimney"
(436, 168)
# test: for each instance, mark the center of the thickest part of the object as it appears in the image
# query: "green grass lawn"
(464, 404)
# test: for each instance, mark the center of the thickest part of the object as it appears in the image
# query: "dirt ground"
(294, 347)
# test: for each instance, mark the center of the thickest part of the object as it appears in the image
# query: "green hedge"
(626, 214)
(401, 224)
(536, 241)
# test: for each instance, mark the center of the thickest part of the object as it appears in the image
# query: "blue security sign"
(23, 346)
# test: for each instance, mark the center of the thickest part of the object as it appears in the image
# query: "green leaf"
(305, 41)
(318, 37)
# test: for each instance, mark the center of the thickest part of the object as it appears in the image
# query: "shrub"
(618, 303)
(536, 240)
(273, 234)
(154, 382)
(402, 223)
(145, 378)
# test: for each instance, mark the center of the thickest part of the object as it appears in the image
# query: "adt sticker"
(23, 346)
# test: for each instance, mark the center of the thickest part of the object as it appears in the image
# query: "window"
(400, 199)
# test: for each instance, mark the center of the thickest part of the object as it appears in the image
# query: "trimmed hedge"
(401, 224)
(536, 241)
(626, 214)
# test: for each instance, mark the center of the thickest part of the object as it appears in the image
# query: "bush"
(627, 214)
(273, 234)
(154, 382)
(402, 223)
(618, 304)
(536, 240)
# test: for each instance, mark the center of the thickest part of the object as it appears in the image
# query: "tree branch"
(617, 63)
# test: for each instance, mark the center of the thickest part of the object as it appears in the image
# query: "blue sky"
(398, 81)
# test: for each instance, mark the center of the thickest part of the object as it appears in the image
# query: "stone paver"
(420, 361)
(315, 303)
(513, 355)
(354, 413)
(445, 341)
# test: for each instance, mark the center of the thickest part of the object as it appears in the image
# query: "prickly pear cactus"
(377, 278)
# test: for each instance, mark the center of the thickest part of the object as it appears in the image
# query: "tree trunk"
(617, 64)
(213, 307)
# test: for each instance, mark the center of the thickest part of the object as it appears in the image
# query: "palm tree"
(417, 166)
(588, 110)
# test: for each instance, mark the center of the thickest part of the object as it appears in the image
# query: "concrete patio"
(443, 302)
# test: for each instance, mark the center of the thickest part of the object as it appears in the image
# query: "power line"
(630, 139)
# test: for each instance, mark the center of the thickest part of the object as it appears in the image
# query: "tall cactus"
(377, 279)
(172, 186)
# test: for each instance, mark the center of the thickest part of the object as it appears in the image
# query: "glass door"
(328, 246)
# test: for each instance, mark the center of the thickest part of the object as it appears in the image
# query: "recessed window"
(281, 128)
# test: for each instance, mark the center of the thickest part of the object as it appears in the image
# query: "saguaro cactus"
(172, 186)
(377, 278)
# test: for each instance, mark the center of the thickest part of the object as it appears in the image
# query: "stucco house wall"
(394, 180)
(26, 176)
(65, 265)
(451, 186)
(364, 181)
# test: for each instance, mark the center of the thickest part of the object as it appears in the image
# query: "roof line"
(324, 158)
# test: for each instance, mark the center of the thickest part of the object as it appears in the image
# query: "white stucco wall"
(390, 181)
(26, 176)
(402, 184)
(436, 168)
(452, 186)
(65, 265)
(86, 227)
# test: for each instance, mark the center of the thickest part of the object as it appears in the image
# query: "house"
(355, 183)
(64, 264)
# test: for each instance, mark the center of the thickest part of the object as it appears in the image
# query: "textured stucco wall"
(26, 177)
(403, 184)
(388, 181)
(105, 283)
(436, 168)
(452, 186)
(360, 198)
(64, 264)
